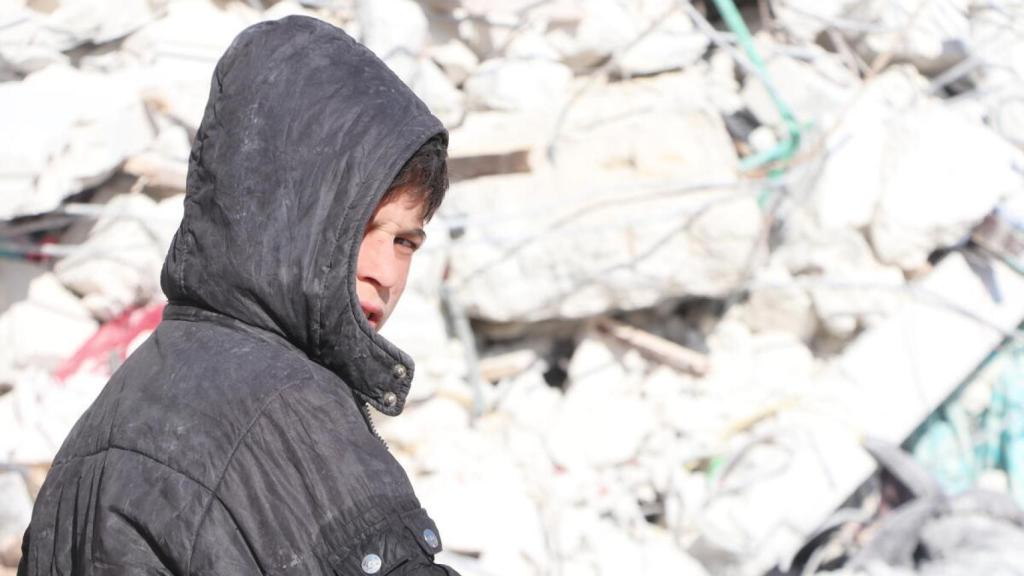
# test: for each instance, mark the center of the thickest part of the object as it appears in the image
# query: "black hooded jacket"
(233, 440)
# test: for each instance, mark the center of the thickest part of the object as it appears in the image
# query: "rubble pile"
(668, 234)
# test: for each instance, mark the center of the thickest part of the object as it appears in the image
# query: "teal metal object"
(785, 150)
(958, 448)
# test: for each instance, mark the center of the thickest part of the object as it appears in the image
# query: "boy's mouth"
(373, 313)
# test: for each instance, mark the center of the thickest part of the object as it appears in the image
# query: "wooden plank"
(655, 347)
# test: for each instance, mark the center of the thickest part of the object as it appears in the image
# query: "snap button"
(371, 564)
(430, 537)
(399, 370)
(390, 399)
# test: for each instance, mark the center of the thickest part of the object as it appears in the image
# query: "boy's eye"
(406, 244)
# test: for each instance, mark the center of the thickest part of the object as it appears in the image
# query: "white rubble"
(941, 174)
(932, 36)
(806, 19)
(98, 22)
(603, 420)
(40, 411)
(437, 91)
(778, 302)
(846, 189)
(396, 31)
(587, 242)
(26, 44)
(118, 266)
(455, 58)
(592, 250)
(15, 506)
(65, 145)
(513, 84)
(642, 38)
(817, 87)
(173, 57)
(998, 56)
(41, 322)
(848, 287)
(900, 164)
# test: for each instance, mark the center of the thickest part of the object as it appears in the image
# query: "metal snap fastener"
(390, 399)
(430, 537)
(371, 564)
(399, 371)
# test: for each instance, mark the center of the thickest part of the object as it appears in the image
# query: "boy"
(236, 439)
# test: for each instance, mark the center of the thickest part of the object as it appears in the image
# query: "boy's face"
(394, 233)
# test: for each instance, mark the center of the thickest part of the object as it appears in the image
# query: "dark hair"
(426, 173)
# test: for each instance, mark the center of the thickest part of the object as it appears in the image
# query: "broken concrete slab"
(66, 145)
(642, 38)
(584, 250)
(98, 22)
(41, 322)
(175, 55)
(664, 126)
(119, 264)
(933, 157)
(26, 44)
(817, 87)
(15, 505)
(396, 31)
(884, 384)
(602, 420)
(513, 85)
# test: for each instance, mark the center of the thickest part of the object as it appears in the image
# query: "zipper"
(373, 428)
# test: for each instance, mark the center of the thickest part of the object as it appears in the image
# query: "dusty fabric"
(233, 441)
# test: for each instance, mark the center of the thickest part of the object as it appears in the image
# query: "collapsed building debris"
(682, 269)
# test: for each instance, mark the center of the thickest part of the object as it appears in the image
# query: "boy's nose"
(377, 263)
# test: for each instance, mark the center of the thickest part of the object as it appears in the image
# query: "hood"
(303, 132)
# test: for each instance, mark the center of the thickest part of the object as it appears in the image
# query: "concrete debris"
(118, 265)
(41, 321)
(65, 146)
(396, 31)
(174, 56)
(647, 334)
(455, 58)
(512, 85)
(431, 84)
(585, 252)
(931, 36)
(932, 156)
(641, 38)
(15, 514)
(818, 86)
(603, 420)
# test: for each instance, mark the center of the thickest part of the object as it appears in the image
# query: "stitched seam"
(160, 462)
(231, 456)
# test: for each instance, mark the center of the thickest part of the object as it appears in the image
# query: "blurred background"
(720, 287)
